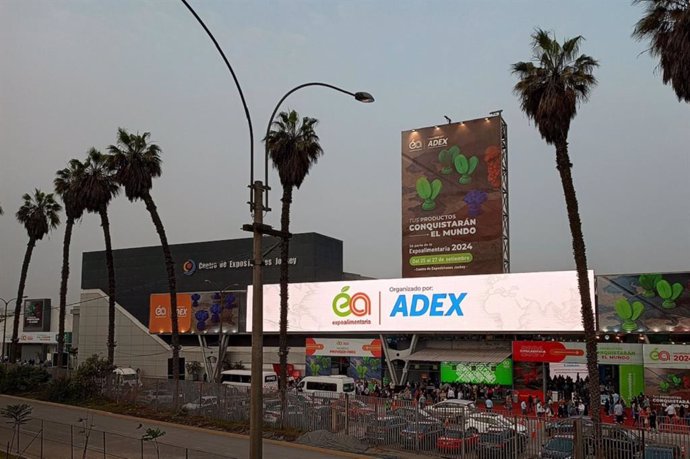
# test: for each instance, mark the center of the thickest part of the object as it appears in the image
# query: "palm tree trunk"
(284, 279)
(105, 223)
(564, 168)
(14, 349)
(63, 291)
(172, 287)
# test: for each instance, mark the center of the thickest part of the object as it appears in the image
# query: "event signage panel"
(524, 302)
(478, 372)
(201, 312)
(37, 314)
(343, 347)
(575, 353)
(666, 355)
(452, 200)
(644, 303)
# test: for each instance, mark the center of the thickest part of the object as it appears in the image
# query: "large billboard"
(37, 315)
(644, 303)
(452, 199)
(200, 312)
(504, 303)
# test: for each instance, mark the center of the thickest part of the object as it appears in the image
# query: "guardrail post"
(141, 448)
(347, 414)
(104, 456)
(578, 443)
(71, 442)
(41, 438)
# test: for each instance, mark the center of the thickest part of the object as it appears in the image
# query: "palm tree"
(38, 215)
(666, 23)
(550, 88)
(67, 184)
(97, 189)
(136, 163)
(293, 147)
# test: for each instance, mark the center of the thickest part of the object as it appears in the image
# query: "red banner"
(546, 351)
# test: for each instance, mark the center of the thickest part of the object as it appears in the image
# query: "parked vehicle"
(127, 378)
(451, 408)
(455, 440)
(243, 378)
(500, 444)
(560, 446)
(661, 451)
(411, 414)
(156, 396)
(567, 426)
(421, 435)
(384, 429)
(357, 409)
(205, 403)
(327, 386)
(488, 422)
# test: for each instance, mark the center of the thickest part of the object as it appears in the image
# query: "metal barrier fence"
(46, 439)
(455, 431)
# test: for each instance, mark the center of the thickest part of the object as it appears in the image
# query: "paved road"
(64, 437)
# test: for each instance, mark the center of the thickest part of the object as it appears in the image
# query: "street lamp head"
(364, 97)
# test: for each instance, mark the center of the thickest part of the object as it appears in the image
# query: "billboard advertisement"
(37, 315)
(644, 303)
(524, 302)
(452, 204)
(344, 347)
(478, 372)
(201, 312)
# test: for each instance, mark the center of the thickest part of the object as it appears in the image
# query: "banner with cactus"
(453, 196)
(644, 303)
(368, 368)
(318, 365)
(667, 385)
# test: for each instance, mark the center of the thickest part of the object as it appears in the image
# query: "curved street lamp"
(4, 323)
(258, 229)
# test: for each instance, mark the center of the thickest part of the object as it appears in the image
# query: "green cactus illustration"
(465, 167)
(629, 313)
(648, 283)
(428, 192)
(669, 293)
(447, 158)
(664, 386)
(361, 371)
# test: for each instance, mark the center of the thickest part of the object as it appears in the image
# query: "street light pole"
(258, 229)
(4, 323)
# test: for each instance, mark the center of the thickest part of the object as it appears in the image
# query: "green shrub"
(22, 378)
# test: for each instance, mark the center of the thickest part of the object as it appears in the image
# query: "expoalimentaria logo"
(660, 356)
(357, 305)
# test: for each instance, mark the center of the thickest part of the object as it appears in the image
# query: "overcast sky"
(72, 72)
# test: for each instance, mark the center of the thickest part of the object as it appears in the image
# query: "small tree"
(153, 434)
(17, 416)
(194, 368)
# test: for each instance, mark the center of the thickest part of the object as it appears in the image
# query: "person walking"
(489, 405)
(618, 412)
(523, 408)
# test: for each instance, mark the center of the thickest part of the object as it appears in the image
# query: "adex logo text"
(436, 305)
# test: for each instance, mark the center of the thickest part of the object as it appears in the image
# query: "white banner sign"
(667, 355)
(525, 302)
(38, 338)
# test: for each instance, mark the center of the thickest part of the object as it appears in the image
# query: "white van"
(127, 377)
(323, 385)
(243, 378)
